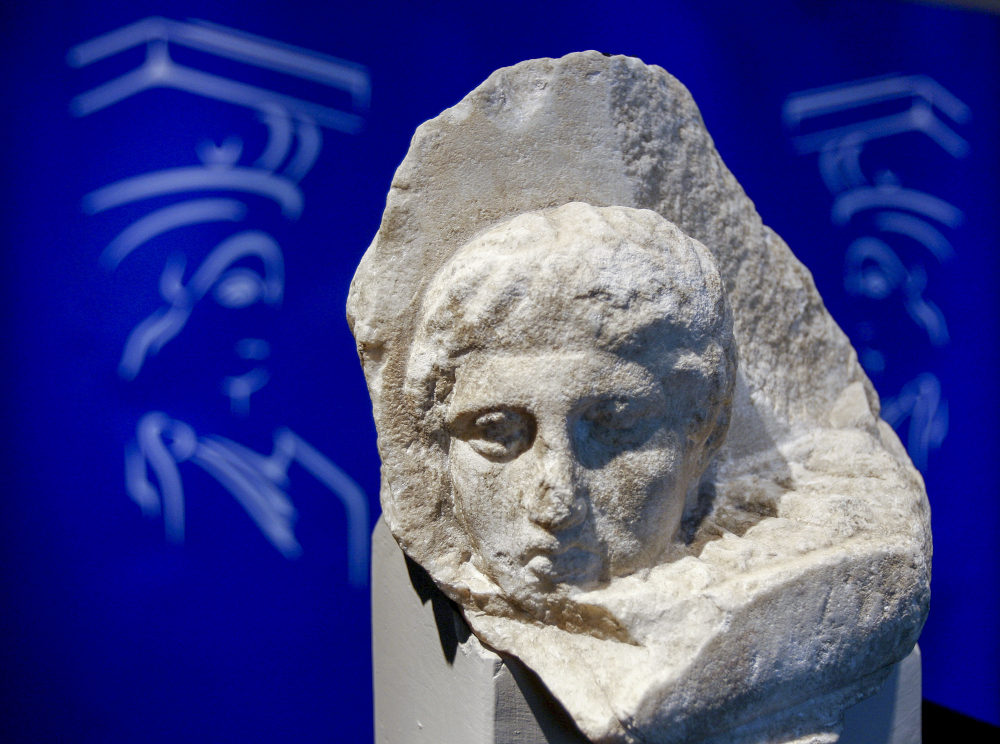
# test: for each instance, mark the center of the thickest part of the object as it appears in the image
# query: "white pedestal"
(435, 683)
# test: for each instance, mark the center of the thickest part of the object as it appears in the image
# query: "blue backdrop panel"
(191, 469)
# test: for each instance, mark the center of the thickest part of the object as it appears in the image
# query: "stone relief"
(617, 425)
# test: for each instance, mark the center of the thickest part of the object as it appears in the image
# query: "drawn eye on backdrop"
(233, 287)
(874, 270)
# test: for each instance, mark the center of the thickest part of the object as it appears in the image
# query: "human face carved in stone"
(567, 467)
(583, 369)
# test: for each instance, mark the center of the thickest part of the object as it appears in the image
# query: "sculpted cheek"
(475, 489)
(635, 481)
(488, 497)
(637, 500)
(617, 492)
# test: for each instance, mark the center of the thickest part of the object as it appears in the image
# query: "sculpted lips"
(553, 549)
(555, 543)
(562, 561)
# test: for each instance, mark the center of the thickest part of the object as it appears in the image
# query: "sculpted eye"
(615, 424)
(497, 435)
(616, 413)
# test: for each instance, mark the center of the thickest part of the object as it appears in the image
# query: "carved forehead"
(576, 275)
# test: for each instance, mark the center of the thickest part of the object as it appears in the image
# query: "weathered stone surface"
(617, 424)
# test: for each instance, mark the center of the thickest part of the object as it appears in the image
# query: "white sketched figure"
(256, 481)
(289, 121)
(293, 145)
(872, 267)
(875, 270)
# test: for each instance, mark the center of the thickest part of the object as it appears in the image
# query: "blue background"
(112, 634)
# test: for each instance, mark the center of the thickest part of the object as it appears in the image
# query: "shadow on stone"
(452, 629)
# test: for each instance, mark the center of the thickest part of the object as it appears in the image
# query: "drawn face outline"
(567, 467)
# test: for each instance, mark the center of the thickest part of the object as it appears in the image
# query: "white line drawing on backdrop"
(286, 119)
(892, 196)
(241, 387)
(920, 400)
(232, 287)
(873, 268)
(840, 147)
(160, 71)
(209, 177)
(294, 142)
(256, 481)
(156, 223)
(919, 230)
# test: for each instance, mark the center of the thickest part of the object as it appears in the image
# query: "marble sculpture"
(619, 428)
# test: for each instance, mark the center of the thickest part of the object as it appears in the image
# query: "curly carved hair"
(623, 280)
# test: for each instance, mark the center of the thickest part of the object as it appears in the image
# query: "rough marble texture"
(619, 428)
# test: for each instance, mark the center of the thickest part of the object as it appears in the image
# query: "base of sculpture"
(435, 683)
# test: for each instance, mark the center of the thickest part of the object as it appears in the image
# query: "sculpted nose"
(556, 502)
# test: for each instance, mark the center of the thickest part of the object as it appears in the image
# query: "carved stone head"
(576, 368)
(549, 321)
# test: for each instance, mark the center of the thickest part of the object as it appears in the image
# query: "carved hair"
(624, 280)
